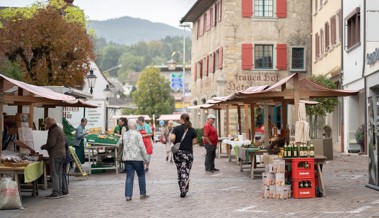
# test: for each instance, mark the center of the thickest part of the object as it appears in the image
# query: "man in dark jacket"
(55, 146)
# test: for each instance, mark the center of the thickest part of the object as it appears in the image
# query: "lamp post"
(108, 94)
(184, 63)
(91, 79)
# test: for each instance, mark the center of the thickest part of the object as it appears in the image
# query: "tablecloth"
(236, 144)
(33, 171)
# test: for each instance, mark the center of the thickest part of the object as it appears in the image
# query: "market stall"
(103, 152)
(26, 96)
(289, 90)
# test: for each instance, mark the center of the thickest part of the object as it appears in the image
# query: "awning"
(134, 117)
(21, 93)
(169, 117)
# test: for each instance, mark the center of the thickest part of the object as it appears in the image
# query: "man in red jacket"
(210, 143)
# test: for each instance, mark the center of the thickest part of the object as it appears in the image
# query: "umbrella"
(302, 126)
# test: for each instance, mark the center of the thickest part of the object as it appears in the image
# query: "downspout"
(341, 82)
(363, 74)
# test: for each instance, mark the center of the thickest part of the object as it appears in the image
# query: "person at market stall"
(134, 157)
(123, 123)
(117, 128)
(55, 146)
(210, 144)
(67, 160)
(10, 138)
(184, 157)
(146, 132)
(80, 134)
(166, 139)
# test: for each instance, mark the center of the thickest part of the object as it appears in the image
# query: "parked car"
(157, 136)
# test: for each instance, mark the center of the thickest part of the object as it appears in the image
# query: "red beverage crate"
(299, 169)
(303, 192)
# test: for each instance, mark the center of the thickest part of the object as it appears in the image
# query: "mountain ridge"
(128, 30)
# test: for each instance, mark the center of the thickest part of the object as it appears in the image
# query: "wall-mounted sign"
(373, 57)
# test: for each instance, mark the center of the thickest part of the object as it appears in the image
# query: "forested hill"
(128, 30)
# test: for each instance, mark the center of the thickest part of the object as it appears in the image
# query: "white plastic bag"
(9, 195)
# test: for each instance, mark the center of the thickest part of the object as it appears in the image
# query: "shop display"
(273, 181)
(13, 159)
(102, 138)
(303, 178)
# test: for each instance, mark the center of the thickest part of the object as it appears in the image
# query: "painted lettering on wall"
(243, 81)
(373, 57)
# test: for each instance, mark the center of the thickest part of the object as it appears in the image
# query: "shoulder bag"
(175, 148)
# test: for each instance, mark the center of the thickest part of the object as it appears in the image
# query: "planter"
(324, 147)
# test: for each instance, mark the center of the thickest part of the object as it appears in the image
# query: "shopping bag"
(9, 195)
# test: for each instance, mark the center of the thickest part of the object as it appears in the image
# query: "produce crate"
(303, 192)
(300, 169)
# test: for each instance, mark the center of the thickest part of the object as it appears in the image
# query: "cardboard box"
(272, 192)
(279, 166)
(269, 168)
(268, 178)
(280, 179)
(269, 159)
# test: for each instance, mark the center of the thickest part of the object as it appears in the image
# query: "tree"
(325, 105)
(153, 93)
(50, 49)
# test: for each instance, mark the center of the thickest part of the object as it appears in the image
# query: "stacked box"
(273, 180)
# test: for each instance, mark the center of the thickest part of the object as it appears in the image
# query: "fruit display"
(102, 138)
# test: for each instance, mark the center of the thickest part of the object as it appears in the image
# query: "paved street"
(229, 193)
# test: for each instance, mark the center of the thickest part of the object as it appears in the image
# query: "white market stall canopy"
(172, 117)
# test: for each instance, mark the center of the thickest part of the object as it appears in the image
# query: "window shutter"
(209, 19)
(201, 25)
(317, 44)
(220, 58)
(333, 29)
(281, 8)
(201, 68)
(281, 56)
(206, 59)
(195, 71)
(247, 8)
(247, 56)
(210, 58)
(220, 10)
(326, 36)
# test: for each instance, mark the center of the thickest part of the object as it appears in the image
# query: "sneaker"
(146, 170)
(167, 158)
(52, 196)
(145, 196)
(65, 194)
(214, 169)
(183, 194)
(128, 198)
(209, 171)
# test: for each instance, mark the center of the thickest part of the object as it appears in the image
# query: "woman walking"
(186, 136)
(146, 132)
(166, 139)
(134, 157)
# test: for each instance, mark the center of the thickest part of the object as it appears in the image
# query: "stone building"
(242, 43)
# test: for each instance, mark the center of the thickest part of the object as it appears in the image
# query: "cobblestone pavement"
(229, 193)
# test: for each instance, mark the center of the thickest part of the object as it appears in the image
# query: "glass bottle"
(311, 150)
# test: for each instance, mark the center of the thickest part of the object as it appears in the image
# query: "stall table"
(319, 160)
(249, 155)
(96, 145)
(31, 173)
(234, 145)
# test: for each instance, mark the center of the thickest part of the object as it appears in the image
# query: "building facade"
(327, 55)
(237, 44)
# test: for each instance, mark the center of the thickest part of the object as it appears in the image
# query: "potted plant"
(359, 135)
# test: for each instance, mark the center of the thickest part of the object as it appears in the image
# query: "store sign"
(373, 57)
(243, 81)
(176, 81)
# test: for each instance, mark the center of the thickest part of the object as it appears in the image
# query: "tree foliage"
(153, 93)
(49, 48)
(134, 58)
(326, 105)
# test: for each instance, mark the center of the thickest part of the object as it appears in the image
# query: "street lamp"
(107, 92)
(91, 79)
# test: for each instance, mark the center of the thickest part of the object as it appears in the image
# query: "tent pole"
(252, 120)
(219, 121)
(20, 93)
(247, 121)
(227, 120)
(239, 119)
(1, 110)
(296, 96)
(266, 125)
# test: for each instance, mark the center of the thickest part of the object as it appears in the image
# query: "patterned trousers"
(183, 161)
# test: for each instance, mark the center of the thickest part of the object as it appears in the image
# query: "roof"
(169, 117)
(197, 9)
(37, 95)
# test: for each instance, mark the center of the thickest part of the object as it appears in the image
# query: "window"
(205, 21)
(263, 56)
(317, 45)
(353, 28)
(322, 41)
(264, 8)
(298, 58)
(316, 6)
(326, 36)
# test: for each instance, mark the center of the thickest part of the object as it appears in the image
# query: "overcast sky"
(163, 11)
